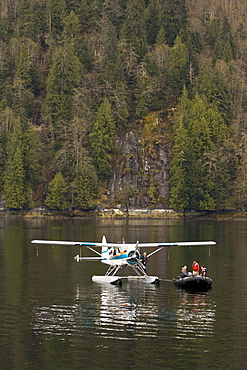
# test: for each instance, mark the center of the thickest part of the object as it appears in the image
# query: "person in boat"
(184, 272)
(195, 268)
(144, 261)
(204, 271)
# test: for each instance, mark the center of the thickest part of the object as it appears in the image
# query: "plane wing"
(175, 244)
(140, 245)
(60, 242)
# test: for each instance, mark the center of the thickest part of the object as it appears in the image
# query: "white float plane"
(119, 255)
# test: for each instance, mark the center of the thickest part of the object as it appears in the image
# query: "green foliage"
(26, 18)
(61, 83)
(212, 83)
(85, 188)
(56, 12)
(178, 71)
(75, 67)
(221, 38)
(56, 198)
(173, 18)
(153, 192)
(134, 27)
(161, 37)
(227, 54)
(14, 190)
(125, 195)
(20, 170)
(199, 130)
(152, 21)
(180, 192)
(102, 139)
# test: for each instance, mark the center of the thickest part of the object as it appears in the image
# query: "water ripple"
(128, 314)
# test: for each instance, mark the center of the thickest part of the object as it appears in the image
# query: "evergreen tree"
(178, 70)
(198, 131)
(152, 21)
(109, 49)
(26, 18)
(6, 127)
(14, 189)
(56, 12)
(161, 37)
(56, 198)
(173, 18)
(238, 198)
(180, 192)
(14, 178)
(227, 54)
(21, 166)
(214, 32)
(134, 27)
(61, 83)
(102, 139)
(85, 187)
(213, 84)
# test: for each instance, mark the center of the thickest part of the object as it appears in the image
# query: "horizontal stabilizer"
(78, 258)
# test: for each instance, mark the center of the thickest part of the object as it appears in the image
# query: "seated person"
(204, 271)
(183, 272)
(195, 268)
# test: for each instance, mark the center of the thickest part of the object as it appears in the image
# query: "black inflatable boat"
(197, 282)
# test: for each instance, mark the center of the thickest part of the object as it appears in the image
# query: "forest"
(131, 103)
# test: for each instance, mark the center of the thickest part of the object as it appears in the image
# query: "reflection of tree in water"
(195, 315)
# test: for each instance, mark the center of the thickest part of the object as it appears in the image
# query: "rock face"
(141, 173)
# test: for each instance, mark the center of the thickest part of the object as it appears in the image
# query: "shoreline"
(132, 214)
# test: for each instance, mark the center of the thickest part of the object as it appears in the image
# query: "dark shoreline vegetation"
(134, 104)
(115, 213)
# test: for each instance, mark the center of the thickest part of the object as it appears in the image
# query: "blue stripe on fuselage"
(119, 256)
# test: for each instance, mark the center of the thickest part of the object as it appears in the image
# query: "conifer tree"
(6, 123)
(56, 12)
(173, 18)
(21, 166)
(227, 54)
(134, 27)
(56, 198)
(178, 70)
(152, 21)
(180, 192)
(61, 83)
(198, 131)
(102, 139)
(213, 84)
(161, 36)
(85, 187)
(26, 18)
(14, 177)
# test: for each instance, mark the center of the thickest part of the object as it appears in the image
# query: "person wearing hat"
(183, 272)
(204, 271)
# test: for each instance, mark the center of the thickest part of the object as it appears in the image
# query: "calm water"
(52, 316)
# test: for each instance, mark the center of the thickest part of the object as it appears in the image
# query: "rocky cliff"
(141, 171)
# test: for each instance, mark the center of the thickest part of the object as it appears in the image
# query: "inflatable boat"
(196, 282)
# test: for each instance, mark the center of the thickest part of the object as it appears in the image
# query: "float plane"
(120, 255)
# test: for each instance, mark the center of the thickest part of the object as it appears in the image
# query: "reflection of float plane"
(118, 255)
